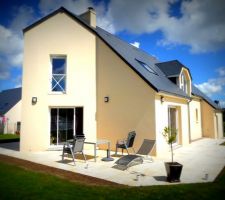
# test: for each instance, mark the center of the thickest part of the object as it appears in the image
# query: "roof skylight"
(147, 67)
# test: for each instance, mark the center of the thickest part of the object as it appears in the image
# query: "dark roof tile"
(8, 99)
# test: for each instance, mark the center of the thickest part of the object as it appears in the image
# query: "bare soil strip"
(68, 175)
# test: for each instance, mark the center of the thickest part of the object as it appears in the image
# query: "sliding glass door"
(65, 123)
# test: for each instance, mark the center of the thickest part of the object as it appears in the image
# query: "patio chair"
(127, 161)
(126, 143)
(146, 148)
(72, 149)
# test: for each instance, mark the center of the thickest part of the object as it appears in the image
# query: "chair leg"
(133, 150)
(116, 151)
(63, 154)
(84, 156)
(73, 155)
(73, 158)
(122, 151)
(127, 151)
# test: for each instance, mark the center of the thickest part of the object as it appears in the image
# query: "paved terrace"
(205, 156)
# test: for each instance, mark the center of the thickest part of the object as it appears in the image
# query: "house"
(79, 79)
(10, 110)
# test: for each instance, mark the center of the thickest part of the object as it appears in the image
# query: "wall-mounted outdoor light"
(106, 99)
(162, 99)
(34, 100)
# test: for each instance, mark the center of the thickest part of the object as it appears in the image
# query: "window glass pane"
(53, 138)
(58, 65)
(79, 121)
(147, 67)
(58, 83)
(65, 125)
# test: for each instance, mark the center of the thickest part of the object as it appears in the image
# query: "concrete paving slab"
(202, 161)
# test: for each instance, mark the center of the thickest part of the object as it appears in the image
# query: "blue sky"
(192, 32)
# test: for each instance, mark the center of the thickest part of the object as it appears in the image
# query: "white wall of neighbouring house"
(13, 116)
(162, 119)
(195, 119)
(58, 35)
(219, 124)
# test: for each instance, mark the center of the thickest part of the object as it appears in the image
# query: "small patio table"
(98, 142)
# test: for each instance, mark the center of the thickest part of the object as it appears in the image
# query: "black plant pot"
(173, 170)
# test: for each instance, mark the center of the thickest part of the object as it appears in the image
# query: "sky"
(191, 31)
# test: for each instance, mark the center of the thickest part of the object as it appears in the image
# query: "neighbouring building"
(10, 110)
(79, 79)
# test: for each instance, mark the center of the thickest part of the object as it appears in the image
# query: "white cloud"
(4, 72)
(201, 25)
(221, 71)
(24, 15)
(222, 104)
(212, 86)
(11, 45)
(75, 6)
(16, 59)
(17, 81)
(10, 42)
(11, 51)
(209, 88)
(136, 44)
(104, 20)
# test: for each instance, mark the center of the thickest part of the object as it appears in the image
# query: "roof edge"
(59, 10)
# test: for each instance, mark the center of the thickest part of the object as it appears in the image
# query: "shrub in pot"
(173, 169)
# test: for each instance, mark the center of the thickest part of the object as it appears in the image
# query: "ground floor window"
(65, 124)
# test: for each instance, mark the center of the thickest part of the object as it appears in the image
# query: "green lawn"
(8, 136)
(18, 183)
(223, 144)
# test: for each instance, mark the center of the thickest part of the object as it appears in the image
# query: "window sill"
(57, 93)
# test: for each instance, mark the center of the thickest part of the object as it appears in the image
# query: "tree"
(170, 136)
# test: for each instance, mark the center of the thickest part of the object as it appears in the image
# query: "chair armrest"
(123, 141)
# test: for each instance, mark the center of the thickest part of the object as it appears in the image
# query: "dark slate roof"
(172, 68)
(9, 98)
(199, 93)
(132, 55)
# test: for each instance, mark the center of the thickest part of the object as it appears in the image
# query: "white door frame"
(176, 122)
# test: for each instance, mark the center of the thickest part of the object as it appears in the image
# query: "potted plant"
(173, 169)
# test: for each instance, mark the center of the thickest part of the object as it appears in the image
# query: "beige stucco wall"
(59, 35)
(195, 124)
(208, 115)
(131, 101)
(13, 116)
(161, 115)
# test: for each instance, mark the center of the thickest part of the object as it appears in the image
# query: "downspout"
(189, 120)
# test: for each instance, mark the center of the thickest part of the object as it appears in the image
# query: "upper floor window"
(58, 74)
(147, 67)
(183, 84)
